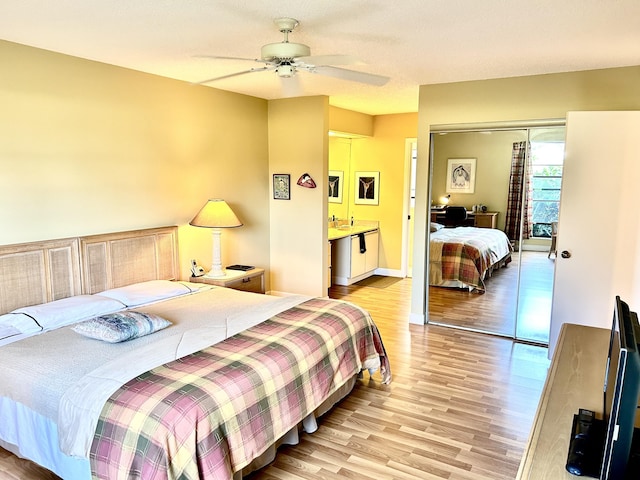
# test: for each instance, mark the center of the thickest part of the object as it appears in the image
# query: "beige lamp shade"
(216, 214)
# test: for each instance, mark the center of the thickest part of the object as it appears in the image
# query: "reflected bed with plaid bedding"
(464, 256)
(209, 414)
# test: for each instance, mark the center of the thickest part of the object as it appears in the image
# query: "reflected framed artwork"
(336, 178)
(281, 186)
(461, 175)
(367, 188)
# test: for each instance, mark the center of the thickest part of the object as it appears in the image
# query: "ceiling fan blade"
(352, 75)
(329, 60)
(217, 57)
(263, 69)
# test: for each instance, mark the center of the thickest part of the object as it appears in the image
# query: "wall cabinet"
(349, 264)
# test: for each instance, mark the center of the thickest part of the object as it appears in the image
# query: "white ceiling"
(414, 42)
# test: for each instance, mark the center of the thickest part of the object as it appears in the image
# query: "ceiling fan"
(287, 58)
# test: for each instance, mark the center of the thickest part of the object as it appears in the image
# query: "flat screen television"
(621, 393)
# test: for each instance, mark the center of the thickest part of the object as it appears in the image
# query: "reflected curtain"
(517, 203)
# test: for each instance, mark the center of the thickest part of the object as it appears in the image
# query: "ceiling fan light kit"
(284, 51)
(286, 58)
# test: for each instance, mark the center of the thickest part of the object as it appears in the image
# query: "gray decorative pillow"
(121, 326)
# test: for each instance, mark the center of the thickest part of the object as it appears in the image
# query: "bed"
(221, 378)
(464, 257)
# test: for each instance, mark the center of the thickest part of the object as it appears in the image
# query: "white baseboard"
(417, 318)
(387, 272)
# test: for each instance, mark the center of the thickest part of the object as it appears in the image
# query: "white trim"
(387, 272)
(406, 206)
(508, 125)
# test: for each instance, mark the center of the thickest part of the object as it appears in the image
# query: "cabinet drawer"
(251, 284)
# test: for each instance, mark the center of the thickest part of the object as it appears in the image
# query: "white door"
(599, 222)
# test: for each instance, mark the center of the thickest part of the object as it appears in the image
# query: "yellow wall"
(340, 161)
(347, 121)
(298, 143)
(507, 100)
(91, 148)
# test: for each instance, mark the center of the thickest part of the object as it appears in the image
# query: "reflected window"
(546, 162)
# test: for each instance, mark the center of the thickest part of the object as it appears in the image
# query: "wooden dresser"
(474, 219)
(575, 380)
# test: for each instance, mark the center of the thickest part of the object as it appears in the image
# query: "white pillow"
(436, 226)
(70, 310)
(17, 323)
(146, 292)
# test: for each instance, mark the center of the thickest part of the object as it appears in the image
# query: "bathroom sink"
(344, 227)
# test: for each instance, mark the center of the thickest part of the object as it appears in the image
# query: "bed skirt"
(292, 437)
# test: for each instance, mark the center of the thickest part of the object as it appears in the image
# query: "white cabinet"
(349, 264)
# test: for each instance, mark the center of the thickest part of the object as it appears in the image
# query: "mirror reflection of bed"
(516, 298)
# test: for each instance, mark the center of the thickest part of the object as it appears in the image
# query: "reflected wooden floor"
(460, 407)
(495, 310)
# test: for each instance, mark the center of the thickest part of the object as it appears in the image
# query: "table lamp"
(216, 215)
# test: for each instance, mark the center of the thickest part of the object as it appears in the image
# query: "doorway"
(516, 302)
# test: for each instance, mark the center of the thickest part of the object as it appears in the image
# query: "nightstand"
(249, 281)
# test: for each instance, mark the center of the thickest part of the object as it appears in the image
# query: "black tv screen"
(621, 392)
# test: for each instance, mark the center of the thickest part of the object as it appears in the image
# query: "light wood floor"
(460, 407)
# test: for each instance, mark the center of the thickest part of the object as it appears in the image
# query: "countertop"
(347, 230)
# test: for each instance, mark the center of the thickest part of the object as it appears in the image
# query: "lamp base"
(215, 273)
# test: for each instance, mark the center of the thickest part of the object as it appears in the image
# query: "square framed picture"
(336, 178)
(461, 175)
(281, 186)
(367, 188)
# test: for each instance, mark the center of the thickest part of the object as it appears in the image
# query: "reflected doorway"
(517, 298)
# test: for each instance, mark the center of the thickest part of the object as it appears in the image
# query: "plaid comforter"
(466, 254)
(211, 413)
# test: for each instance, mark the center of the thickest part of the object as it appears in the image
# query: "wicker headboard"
(39, 272)
(116, 259)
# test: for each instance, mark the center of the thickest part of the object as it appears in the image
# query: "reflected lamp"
(216, 215)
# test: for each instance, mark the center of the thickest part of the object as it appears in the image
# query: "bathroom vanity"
(354, 252)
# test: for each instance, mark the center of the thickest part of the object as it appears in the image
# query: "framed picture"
(367, 188)
(336, 178)
(461, 175)
(281, 186)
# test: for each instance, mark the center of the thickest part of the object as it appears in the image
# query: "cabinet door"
(486, 220)
(371, 260)
(328, 264)
(358, 260)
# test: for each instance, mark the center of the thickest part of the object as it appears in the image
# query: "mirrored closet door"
(509, 180)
